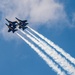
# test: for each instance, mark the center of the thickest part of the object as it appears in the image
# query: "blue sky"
(16, 57)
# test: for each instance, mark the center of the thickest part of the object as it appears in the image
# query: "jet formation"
(22, 24)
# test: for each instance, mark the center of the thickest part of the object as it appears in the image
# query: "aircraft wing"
(25, 24)
(24, 28)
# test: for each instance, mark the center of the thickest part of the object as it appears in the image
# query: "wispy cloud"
(7, 36)
(39, 12)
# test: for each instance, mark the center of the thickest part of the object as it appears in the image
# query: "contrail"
(58, 58)
(44, 57)
(68, 56)
(38, 39)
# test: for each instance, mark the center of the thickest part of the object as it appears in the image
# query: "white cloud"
(8, 36)
(44, 11)
(39, 12)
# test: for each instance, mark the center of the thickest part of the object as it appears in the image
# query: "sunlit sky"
(57, 24)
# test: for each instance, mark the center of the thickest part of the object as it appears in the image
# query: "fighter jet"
(11, 28)
(12, 24)
(22, 23)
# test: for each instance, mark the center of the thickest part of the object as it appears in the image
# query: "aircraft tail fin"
(6, 24)
(17, 19)
(7, 20)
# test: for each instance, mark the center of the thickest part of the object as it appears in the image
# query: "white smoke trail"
(44, 57)
(38, 39)
(51, 52)
(68, 56)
